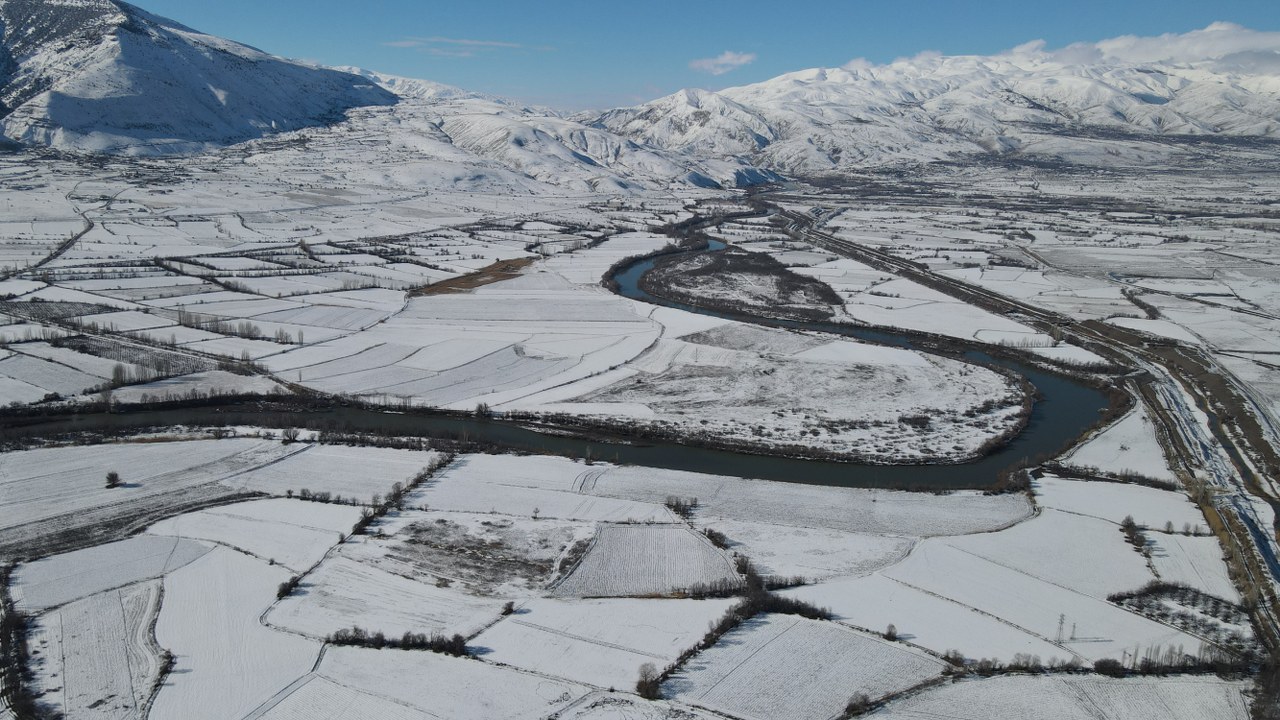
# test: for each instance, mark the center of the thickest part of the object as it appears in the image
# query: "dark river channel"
(1065, 410)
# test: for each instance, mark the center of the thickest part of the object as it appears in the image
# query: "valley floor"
(563, 590)
(258, 573)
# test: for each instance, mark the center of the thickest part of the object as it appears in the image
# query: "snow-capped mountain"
(103, 75)
(1085, 103)
(439, 121)
(694, 120)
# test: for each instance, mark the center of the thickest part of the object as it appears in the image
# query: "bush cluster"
(455, 645)
(684, 507)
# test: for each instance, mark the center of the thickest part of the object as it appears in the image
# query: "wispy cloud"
(1217, 41)
(1220, 45)
(473, 43)
(460, 47)
(723, 63)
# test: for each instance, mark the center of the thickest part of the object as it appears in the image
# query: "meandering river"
(1064, 411)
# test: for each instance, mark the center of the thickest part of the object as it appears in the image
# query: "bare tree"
(650, 682)
(857, 705)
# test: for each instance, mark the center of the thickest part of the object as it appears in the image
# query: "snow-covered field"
(813, 553)
(874, 297)
(343, 593)
(313, 284)
(50, 492)
(40, 484)
(619, 706)
(1044, 601)
(498, 344)
(884, 512)
(292, 533)
(1076, 698)
(316, 697)
(1128, 446)
(779, 666)
(1039, 588)
(598, 642)
(1194, 561)
(1089, 556)
(1115, 501)
(205, 384)
(843, 397)
(924, 618)
(448, 687)
(517, 486)
(227, 662)
(27, 379)
(580, 550)
(98, 658)
(646, 560)
(351, 472)
(65, 578)
(908, 305)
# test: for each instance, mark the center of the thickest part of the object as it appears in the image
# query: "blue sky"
(575, 54)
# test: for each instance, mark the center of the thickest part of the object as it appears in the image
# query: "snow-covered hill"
(440, 121)
(103, 75)
(1108, 103)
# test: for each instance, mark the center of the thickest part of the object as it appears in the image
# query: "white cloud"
(723, 63)
(1075, 54)
(924, 58)
(1233, 45)
(471, 42)
(1214, 42)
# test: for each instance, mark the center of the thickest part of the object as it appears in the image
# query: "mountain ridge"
(934, 107)
(103, 76)
(106, 76)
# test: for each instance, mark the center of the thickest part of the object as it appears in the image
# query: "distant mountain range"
(543, 145)
(105, 76)
(1028, 102)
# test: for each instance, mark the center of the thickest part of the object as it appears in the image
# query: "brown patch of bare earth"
(497, 272)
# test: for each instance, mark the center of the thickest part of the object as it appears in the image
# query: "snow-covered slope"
(706, 122)
(103, 75)
(1109, 103)
(439, 121)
